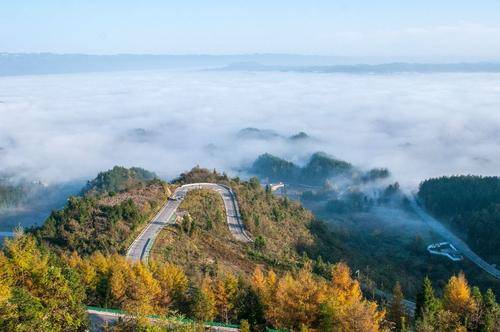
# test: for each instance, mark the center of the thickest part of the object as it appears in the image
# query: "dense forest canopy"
(470, 205)
(119, 179)
(274, 168)
(319, 168)
(105, 220)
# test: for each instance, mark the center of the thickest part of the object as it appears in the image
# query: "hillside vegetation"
(199, 271)
(201, 240)
(119, 179)
(368, 222)
(38, 292)
(104, 221)
(470, 205)
(319, 168)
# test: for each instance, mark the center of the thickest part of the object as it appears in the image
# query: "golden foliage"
(5, 279)
(225, 289)
(173, 283)
(37, 292)
(302, 300)
(114, 281)
(457, 295)
(204, 302)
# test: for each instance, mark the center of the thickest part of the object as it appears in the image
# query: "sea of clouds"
(57, 128)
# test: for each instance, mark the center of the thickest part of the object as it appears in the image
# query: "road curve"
(139, 249)
(453, 239)
(100, 317)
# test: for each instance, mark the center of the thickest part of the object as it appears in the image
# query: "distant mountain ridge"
(50, 63)
(268, 134)
(319, 168)
(12, 64)
(385, 68)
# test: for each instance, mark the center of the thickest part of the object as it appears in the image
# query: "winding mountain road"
(139, 249)
(100, 317)
(453, 239)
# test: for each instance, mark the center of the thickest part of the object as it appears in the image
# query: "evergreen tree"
(427, 303)
(259, 243)
(491, 313)
(396, 312)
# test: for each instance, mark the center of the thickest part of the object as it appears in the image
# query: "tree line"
(471, 205)
(41, 291)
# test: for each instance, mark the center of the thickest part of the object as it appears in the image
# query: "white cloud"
(62, 127)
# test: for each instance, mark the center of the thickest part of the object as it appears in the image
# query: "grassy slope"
(283, 225)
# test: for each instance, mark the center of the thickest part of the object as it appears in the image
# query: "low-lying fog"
(56, 128)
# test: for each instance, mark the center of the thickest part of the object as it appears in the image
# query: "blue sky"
(351, 27)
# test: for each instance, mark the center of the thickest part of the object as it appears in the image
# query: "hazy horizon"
(347, 28)
(68, 112)
(69, 127)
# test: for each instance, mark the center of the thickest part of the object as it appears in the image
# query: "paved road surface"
(453, 239)
(410, 306)
(141, 247)
(99, 319)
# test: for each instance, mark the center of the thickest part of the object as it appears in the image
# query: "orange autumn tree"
(457, 298)
(113, 281)
(225, 288)
(345, 309)
(302, 299)
(296, 299)
(457, 295)
(173, 283)
(38, 292)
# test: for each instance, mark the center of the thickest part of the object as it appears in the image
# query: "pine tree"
(396, 312)
(427, 303)
(259, 243)
(248, 304)
(491, 312)
(476, 316)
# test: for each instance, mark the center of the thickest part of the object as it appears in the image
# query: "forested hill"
(470, 205)
(319, 168)
(115, 206)
(119, 179)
